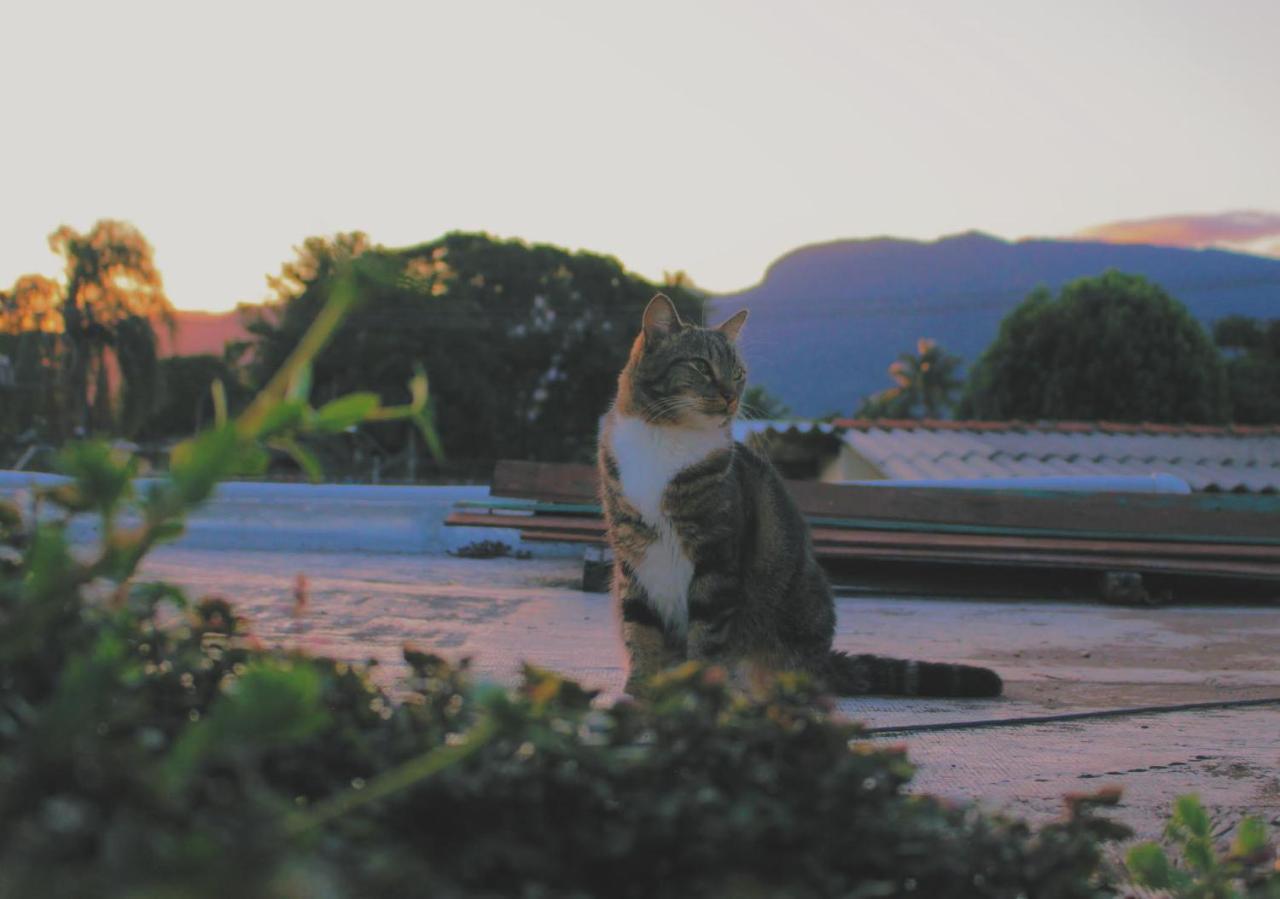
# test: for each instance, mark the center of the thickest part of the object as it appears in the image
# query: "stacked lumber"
(1225, 535)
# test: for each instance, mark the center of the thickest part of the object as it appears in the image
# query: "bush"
(144, 757)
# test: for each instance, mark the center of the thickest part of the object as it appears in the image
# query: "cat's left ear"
(731, 328)
(660, 319)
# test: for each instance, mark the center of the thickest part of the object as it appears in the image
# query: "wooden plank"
(559, 537)
(935, 548)
(1071, 561)
(838, 537)
(555, 482)
(536, 522)
(1198, 517)
(1162, 565)
(528, 505)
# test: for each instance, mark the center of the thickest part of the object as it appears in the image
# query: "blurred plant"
(1248, 869)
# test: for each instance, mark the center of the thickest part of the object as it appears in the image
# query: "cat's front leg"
(649, 648)
(714, 597)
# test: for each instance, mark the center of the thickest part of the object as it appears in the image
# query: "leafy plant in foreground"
(1246, 870)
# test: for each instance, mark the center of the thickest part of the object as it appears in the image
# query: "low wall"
(315, 518)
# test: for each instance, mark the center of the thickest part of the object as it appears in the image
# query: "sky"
(708, 137)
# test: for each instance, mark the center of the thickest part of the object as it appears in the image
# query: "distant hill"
(827, 319)
(201, 332)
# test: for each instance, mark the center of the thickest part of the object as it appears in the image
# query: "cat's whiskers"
(663, 408)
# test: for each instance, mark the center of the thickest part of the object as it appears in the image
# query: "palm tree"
(923, 384)
(113, 298)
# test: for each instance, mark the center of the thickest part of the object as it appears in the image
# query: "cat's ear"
(731, 328)
(660, 318)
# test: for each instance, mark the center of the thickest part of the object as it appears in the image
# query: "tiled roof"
(1233, 458)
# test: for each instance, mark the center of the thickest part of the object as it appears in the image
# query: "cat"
(712, 558)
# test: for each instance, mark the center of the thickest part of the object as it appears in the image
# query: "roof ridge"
(1058, 427)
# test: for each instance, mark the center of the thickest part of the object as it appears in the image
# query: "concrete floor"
(1055, 658)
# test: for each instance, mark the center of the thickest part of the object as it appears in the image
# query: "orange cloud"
(1247, 232)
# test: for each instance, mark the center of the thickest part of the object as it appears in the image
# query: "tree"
(760, 404)
(1253, 367)
(1114, 347)
(522, 343)
(112, 298)
(185, 403)
(924, 382)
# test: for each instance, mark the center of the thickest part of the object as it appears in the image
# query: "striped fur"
(712, 559)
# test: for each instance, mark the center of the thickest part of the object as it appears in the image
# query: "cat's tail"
(856, 675)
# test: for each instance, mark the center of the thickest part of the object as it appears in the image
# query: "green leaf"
(48, 562)
(102, 475)
(300, 384)
(281, 416)
(426, 427)
(1149, 866)
(345, 411)
(1251, 838)
(218, 392)
(1198, 852)
(418, 387)
(168, 530)
(306, 459)
(196, 465)
(272, 704)
(253, 460)
(1188, 813)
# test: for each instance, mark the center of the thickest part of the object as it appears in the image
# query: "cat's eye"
(739, 376)
(703, 367)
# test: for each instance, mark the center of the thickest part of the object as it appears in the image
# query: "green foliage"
(522, 342)
(156, 750)
(1244, 870)
(186, 403)
(1253, 367)
(759, 404)
(923, 385)
(1115, 347)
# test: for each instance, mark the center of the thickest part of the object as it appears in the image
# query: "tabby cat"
(712, 559)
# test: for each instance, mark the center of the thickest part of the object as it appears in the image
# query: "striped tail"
(851, 675)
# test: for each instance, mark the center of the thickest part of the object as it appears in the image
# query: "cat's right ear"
(660, 319)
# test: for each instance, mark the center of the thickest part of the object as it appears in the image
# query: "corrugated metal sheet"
(1214, 459)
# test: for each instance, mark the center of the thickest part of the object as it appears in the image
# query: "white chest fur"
(648, 458)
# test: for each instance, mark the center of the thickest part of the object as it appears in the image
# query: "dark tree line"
(521, 343)
(1115, 347)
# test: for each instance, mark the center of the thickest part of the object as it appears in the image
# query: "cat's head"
(681, 374)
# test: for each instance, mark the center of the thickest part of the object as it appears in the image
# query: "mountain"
(201, 332)
(827, 319)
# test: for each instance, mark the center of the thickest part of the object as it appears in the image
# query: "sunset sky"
(704, 136)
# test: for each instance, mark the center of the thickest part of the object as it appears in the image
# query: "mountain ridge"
(828, 319)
